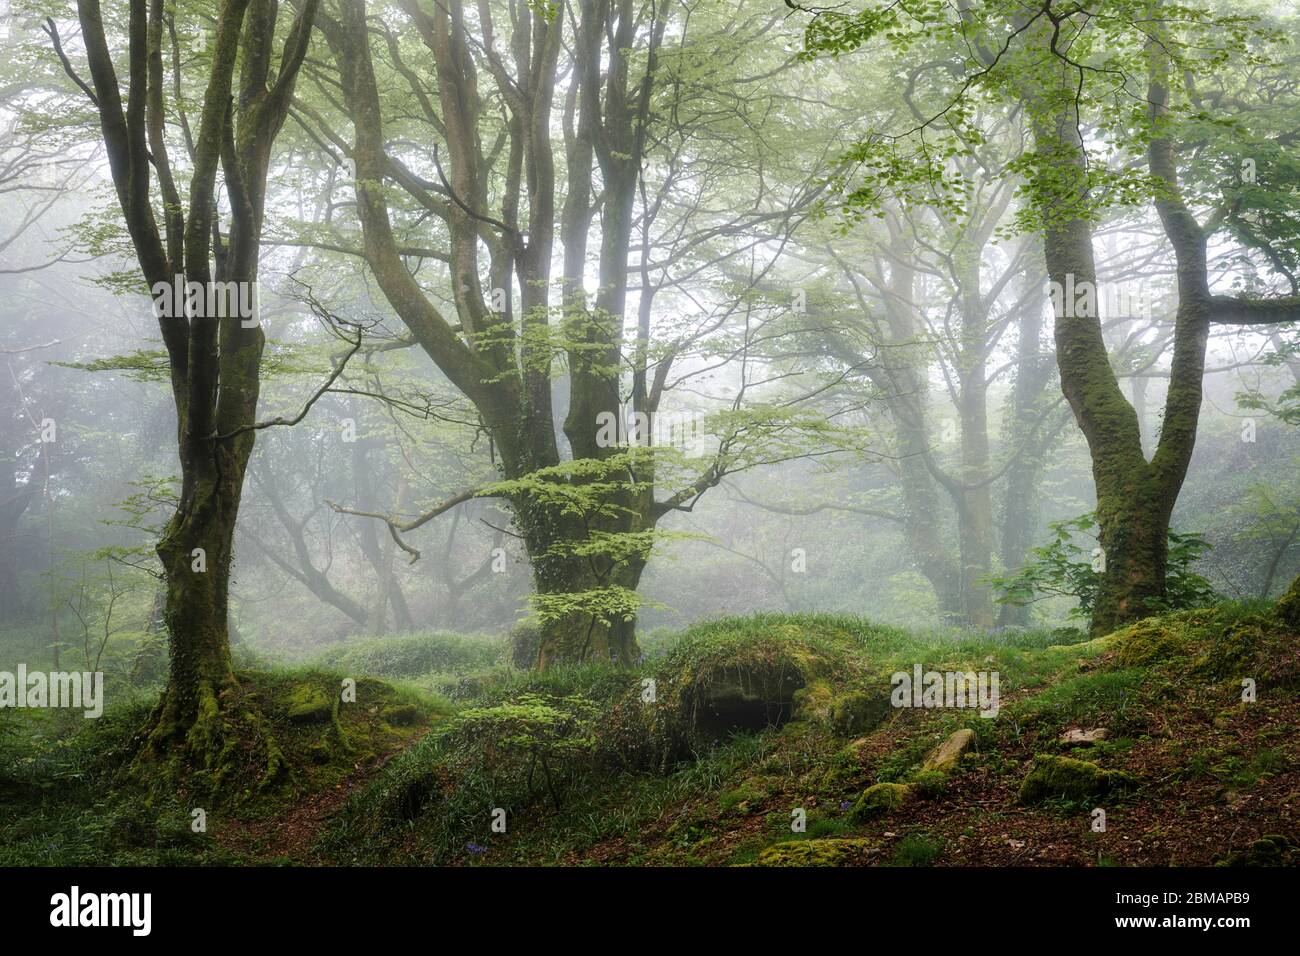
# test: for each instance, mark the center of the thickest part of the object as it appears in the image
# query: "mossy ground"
(76, 792)
(641, 772)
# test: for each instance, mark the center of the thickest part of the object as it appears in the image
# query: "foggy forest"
(649, 433)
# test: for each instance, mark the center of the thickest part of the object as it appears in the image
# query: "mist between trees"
(579, 320)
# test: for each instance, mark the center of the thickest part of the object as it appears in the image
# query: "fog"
(821, 531)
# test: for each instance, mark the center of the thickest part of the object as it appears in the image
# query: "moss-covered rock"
(1271, 850)
(880, 799)
(1288, 606)
(858, 712)
(402, 715)
(945, 756)
(1053, 776)
(1149, 641)
(307, 704)
(853, 852)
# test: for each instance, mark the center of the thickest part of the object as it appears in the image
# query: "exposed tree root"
(228, 741)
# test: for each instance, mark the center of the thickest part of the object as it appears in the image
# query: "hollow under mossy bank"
(763, 732)
(569, 756)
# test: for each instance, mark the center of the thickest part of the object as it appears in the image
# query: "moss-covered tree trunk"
(1135, 497)
(1133, 511)
(585, 592)
(1133, 503)
(196, 551)
(214, 354)
(569, 513)
(583, 634)
(1134, 570)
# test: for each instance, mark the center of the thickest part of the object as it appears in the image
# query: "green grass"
(413, 655)
(65, 800)
(428, 805)
(57, 805)
(915, 849)
(1265, 763)
(641, 785)
(1092, 698)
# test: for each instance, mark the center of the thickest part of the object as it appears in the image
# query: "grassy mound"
(1230, 642)
(764, 740)
(71, 793)
(574, 756)
(413, 655)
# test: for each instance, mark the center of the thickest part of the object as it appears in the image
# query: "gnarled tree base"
(217, 741)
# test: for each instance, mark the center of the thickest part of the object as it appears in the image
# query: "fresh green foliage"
(1062, 567)
(553, 734)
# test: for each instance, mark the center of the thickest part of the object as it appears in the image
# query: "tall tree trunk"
(902, 381)
(1134, 499)
(569, 513)
(15, 499)
(196, 553)
(213, 354)
(1133, 506)
(388, 589)
(926, 538)
(583, 596)
(975, 503)
(1020, 501)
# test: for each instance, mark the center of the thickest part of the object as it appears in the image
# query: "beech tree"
(1068, 69)
(477, 158)
(213, 354)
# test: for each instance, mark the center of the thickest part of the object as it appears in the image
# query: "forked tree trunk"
(213, 359)
(1135, 497)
